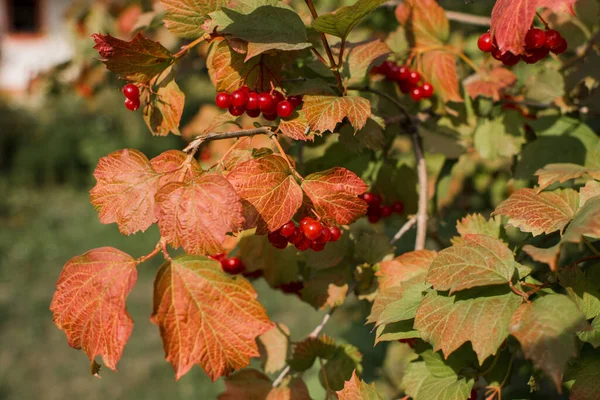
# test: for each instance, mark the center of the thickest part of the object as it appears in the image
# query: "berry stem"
(319, 56)
(467, 61)
(542, 19)
(341, 55)
(185, 49)
(285, 156)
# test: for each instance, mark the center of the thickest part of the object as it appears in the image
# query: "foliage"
(514, 286)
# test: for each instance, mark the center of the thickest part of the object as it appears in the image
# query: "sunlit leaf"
(163, 112)
(273, 346)
(491, 85)
(360, 57)
(175, 166)
(439, 68)
(185, 17)
(398, 303)
(296, 127)
(324, 112)
(425, 21)
(476, 224)
(562, 172)
(422, 384)
(404, 267)
(356, 389)
(344, 19)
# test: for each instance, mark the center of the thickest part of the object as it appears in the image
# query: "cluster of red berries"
(408, 81)
(309, 234)
(132, 96)
(376, 210)
(231, 265)
(538, 44)
(271, 105)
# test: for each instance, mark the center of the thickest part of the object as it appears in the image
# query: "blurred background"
(60, 111)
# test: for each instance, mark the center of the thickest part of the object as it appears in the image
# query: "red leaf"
(324, 112)
(89, 303)
(197, 215)
(404, 267)
(125, 189)
(492, 85)
(439, 68)
(296, 128)
(139, 60)
(426, 21)
(333, 194)
(175, 166)
(356, 389)
(269, 192)
(206, 316)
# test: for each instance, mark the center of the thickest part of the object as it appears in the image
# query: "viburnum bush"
(374, 138)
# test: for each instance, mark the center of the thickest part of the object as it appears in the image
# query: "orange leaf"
(426, 22)
(206, 316)
(324, 112)
(269, 192)
(163, 112)
(197, 215)
(89, 303)
(296, 128)
(125, 189)
(356, 389)
(493, 86)
(173, 167)
(439, 68)
(333, 194)
(404, 267)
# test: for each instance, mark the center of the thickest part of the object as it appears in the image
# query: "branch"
(194, 144)
(404, 229)
(313, 334)
(409, 125)
(454, 15)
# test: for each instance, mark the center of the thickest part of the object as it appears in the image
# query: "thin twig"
(404, 229)
(325, 381)
(192, 147)
(468, 18)
(148, 256)
(590, 246)
(185, 49)
(583, 259)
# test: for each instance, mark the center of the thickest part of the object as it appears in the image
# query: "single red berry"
(287, 229)
(239, 98)
(386, 66)
(304, 244)
(295, 100)
(391, 71)
(534, 39)
(312, 229)
(403, 73)
(553, 39)
(233, 265)
(405, 86)
(218, 257)
(317, 246)
(336, 233)
(253, 103)
(561, 48)
(277, 240)
(285, 109)
(375, 201)
(385, 211)
(325, 235)
(497, 54)
(485, 43)
(416, 94)
(277, 96)
(367, 197)
(131, 91)
(270, 117)
(246, 90)
(427, 90)
(535, 55)
(529, 59)
(296, 237)
(236, 111)
(265, 101)
(223, 100)
(132, 104)
(374, 217)
(257, 273)
(509, 59)
(398, 207)
(253, 113)
(414, 77)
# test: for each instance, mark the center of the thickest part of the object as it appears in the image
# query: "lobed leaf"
(251, 384)
(340, 22)
(356, 389)
(582, 288)
(562, 172)
(273, 346)
(589, 191)
(278, 266)
(197, 214)
(585, 222)
(426, 23)
(539, 213)
(396, 331)
(404, 267)
(449, 322)
(333, 194)
(398, 303)
(546, 330)
(269, 192)
(206, 316)
(439, 68)
(492, 85)
(296, 127)
(341, 366)
(138, 60)
(89, 303)
(421, 384)
(185, 17)
(175, 166)
(308, 350)
(163, 112)
(476, 224)
(325, 111)
(481, 260)
(124, 192)
(360, 57)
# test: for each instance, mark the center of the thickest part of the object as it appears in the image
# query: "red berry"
(385, 211)
(414, 77)
(553, 39)
(304, 221)
(223, 100)
(535, 55)
(257, 273)
(132, 104)
(427, 90)
(325, 235)
(561, 48)
(405, 86)
(304, 244)
(265, 101)
(270, 117)
(239, 98)
(288, 229)
(312, 229)
(497, 54)
(336, 233)
(277, 240)
(317, 246)
(253, 103)
(398, 207)
(391, 71)
(367, 197)
(473, 395)
(375, 201)
(236, 111)
(416, 94)
(246, 90)
(534, 39)
(374, 217)
(218, 257)
(285, 109)
(131, 91)
(277, 97)
(295, 100)
(485, 43)
(253, 113)
(296, 237)
(233, 265)
(387, 66)
(509, 59)
(292, 287)
(403, 73)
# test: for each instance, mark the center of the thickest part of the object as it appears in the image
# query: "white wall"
(21, 59)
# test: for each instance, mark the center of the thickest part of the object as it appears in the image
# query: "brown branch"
(468, 18)
(192, 147)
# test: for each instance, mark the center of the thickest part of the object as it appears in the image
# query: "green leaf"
(481, 260)
(372, 247)
(185, 18)
(327, 288)
(420, 384)
(163, 113)
(340, 22)
(398, 303)
(278, 266)
(587, 379)
(585, 222)
(396, 331)
(591, 336)
(284, 30)
(370, 137)
(306, 352)
(340, 367)
(560, 173)
(545, 87)
(583, 290)
(546, 330)
(499, 138)
(449, 322)
(476, 224)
